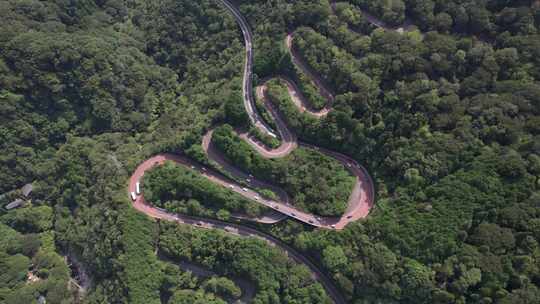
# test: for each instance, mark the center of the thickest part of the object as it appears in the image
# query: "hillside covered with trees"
(445, 117)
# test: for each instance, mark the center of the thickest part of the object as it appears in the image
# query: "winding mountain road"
(360, 201)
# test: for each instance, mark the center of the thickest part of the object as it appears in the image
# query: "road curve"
(361, 199)
(407, 26)
(299, 62)
(141, 205)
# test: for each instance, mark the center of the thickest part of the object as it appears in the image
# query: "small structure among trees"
(19, 196)
(15, 204)
(27, 189)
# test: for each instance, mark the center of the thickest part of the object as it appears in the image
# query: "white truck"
(138, 188)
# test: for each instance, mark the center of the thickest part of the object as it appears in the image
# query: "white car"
(256, 198)
(245, 189)
(133, 196)
(231, 186)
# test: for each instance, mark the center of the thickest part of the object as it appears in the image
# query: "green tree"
(334, 257)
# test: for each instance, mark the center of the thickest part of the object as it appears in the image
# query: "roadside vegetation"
(301, 123)
(315, 182)
(309, 90)
(180, 190)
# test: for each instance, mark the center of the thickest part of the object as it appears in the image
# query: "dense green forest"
(445, 118)
(88, 90)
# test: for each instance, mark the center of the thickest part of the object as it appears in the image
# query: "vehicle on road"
(333, 226)
(133, 196)
(245, 189)
(256, 198)
(292, 214)
(138, 188)
(231, 186)
(349, 216)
